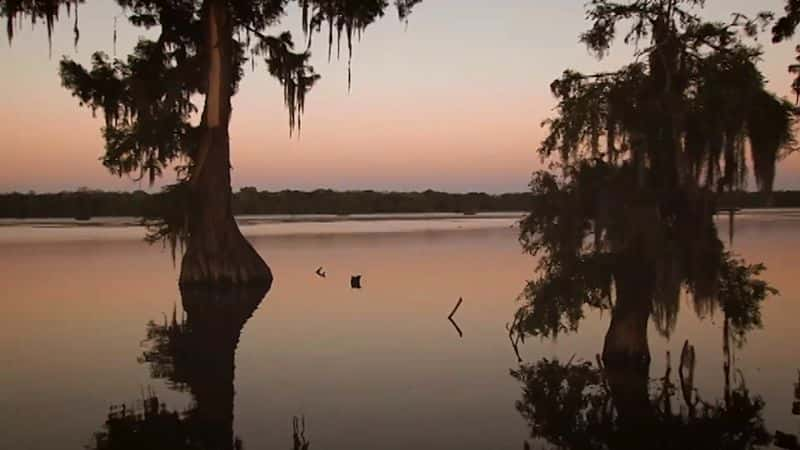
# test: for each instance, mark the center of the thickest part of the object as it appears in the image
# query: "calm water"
(376, 368)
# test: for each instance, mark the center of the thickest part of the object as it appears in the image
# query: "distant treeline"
(750, 200)
(92, 203)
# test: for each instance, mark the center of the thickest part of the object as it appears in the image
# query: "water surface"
(379, 367)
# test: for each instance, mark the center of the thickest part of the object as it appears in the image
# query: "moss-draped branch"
(146, 97)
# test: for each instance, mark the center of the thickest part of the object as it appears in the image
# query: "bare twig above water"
(460, 300)
(450, 317)
(514, 339)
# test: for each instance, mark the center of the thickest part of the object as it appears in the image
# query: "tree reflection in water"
(636, 272)
(612, 403)
(787, 440)
(194, 355)
(584, 405)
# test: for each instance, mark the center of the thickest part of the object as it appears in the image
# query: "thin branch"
(456, 308)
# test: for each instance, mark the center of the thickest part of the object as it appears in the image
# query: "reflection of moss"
(564, 404)
(584, 406)
(554, 303)
(740, 296)
(167, 344)
(151, 427)
(593, 229)
(786, 440)
(796, 407)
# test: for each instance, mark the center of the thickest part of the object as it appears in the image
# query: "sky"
(452, 101)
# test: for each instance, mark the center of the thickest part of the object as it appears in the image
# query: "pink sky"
(453, 103)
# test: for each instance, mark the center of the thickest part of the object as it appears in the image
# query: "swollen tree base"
(626, 340)
(221, 256)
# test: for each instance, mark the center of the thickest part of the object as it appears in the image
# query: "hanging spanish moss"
(346, 19)
(151, 122)
(292, 71)
(624, 221)
(38, 10)
(771, 138)
(114, 37)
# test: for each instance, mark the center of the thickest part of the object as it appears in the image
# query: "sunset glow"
(454, 102)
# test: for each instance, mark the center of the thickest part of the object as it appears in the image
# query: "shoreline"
(259, 219)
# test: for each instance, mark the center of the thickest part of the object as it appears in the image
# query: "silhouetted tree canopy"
(47, 11)
(624, 219)
(146, 97)
(684, 111)
(784, 29)
(787, 24)
(147, 102)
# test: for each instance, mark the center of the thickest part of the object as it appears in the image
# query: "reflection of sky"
(378, 365)
(454, 102)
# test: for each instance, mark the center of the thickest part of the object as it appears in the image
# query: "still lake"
(380, 367)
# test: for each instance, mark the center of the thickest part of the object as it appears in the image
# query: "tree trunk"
(626, 339)
(636, 250)
(626, 352)
(216, 252)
